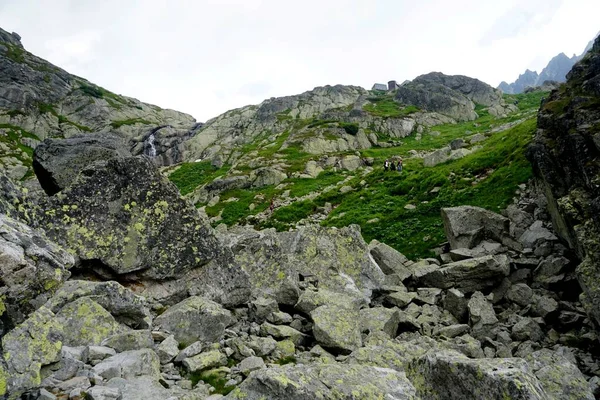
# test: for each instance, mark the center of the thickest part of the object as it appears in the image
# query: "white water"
(149, 148)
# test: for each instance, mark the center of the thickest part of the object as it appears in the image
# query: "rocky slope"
(565, 157)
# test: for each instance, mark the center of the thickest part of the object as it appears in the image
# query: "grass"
(387, 107)
(191, 175)
(216, 380)
(131, 121)
(14, 53)
(16, 148)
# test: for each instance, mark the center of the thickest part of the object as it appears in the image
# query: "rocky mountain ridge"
(556, 70)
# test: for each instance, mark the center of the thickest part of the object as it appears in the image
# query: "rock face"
(118, 213)
(564, 155)
(57, 162)
(467, 226)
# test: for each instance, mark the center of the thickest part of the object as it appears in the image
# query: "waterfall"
(149, 149)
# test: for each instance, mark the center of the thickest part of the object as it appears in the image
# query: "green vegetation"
(114, 100)
(191, 175)
(350, 128)
(214, 379)
(12, 138)
(286, 360)
(49, 108)
(387, 107)
(526, 101)
(131, 121)
(14, 53)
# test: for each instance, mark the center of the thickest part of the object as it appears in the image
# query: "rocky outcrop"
(564, 155)
(116, 215)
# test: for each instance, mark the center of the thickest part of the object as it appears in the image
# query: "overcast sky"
(205, 57)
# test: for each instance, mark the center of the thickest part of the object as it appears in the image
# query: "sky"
(205, 57)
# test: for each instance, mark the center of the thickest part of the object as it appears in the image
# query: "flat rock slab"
(337, 328)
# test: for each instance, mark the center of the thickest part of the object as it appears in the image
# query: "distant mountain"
(556, 70)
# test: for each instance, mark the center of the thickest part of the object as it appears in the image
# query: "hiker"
(271, 206)
(399, 166)
(392, 166)
(386, 165)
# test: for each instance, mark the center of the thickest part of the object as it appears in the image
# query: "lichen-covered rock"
(338, 259)
(469, 275)
(29, 346)
(129, 364)
(283, 332)
(481, 315)
(336, 328)
(311, 299)
(559, 377)
(450, 375)
(32, 268)
(149, 388)
(86, 322)
(195, 319)
(390, 260)
(325, 381)
(203, 361)
(131, 340)
(123, 304)
(57, 162)
(122, 216)
(380, 319)
(467, 226)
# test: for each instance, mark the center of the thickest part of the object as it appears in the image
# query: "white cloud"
(207, 56)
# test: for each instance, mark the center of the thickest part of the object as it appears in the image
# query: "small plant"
(132, 121)
(286, 360)
(350, 127)
(91, 90)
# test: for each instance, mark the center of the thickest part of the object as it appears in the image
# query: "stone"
(311, 299)
(456, 303)
(148, 388)
(133, 207)
(467, 226)
(194, 319)
(132, 340)
(379, 319)
(99, 353)
(469, 275)
(32, 268)
(262, 307)
(129, 364)
(328, 381)
(542, 306)
(457, 144)
(482, 316)
(266, 176)
(527, 329)
(57, 162)
(203, 361)
(45, 395)
(167, 350)
(283, 332)
(428, 296)
(190, 351)
(559, 377)
(520, 294)
(261, 346)
(451, 375)
(250, 364)
(88, 323)
(280, 318)
(437, 157)
(400, 299)
(335, 328)
(103, 393)
(452, 330)
(389, 259)
(536, 233)
(123, 304)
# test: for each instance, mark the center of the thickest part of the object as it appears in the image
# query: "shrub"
(350, 127)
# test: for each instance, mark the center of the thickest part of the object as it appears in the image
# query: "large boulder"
(122, 216)
(57, 162)
(469, 275)
(129, 364)
(330, 381)
(336, 327)
(467, 226)
(447, 375)
(195, 319)
(32, 268)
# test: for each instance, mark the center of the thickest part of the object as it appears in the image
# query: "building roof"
(379, 86)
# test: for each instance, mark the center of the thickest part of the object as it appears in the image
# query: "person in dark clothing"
(386, 165)
(392, 166)
(399, 166)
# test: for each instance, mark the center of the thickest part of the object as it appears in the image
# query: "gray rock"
(45, 395)
(457, 144)
(400, 299)
(428, 295)
(99, 353)
(129, 364)
(482, 316)
(280, 318)
(80, 353)
(132, 340)
(535, 234)
(520, 293)
(436, 157)
(57, 162)
(283, 332)
(195, 319)
(451, 375)
(167, 350)
(266, 176)
(203, 361)
(469, 275)
(452, 330)
(133, 208)
(527, 329)
(379, 319)
(389, 259)
(190, 351)
(335, 327)
(311, 299)
(328, 381)
(262, 307)
(32, 268)
(250, 364)
(456, 303)
(149, 388)
(543, 305)
(262, 346)
(467, 226)
(103, 393)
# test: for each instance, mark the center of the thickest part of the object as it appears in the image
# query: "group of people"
(391, 166)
